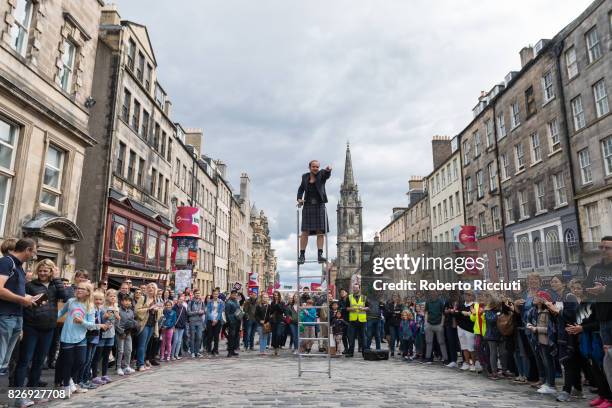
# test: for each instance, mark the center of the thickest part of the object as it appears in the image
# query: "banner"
(187, 222)
(464, 238)
(184, 251)
(182, 280)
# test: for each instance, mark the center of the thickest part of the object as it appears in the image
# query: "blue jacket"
(209, 311)
(309, 316)
(72, 332)
(231, 306)
(407, 329)
(492, 332)
(169, 319)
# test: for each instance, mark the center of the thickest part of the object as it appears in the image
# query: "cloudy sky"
(276, 83)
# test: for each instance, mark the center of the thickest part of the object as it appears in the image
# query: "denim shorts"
(109, 342)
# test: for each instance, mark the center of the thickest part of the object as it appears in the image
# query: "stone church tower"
(350, 227)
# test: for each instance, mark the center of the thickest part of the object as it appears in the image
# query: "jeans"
(406, 347)
(124, 351)
(277, 333)
(102, 353)
(372, 330)
(213, 336)
(143, 340)
(438, 331)
(263, 338)
(250, 326)
(573, 377)
(496, 351)
(294, 335)
(549, 364)
(34, 347)
(233, 336)
(196, 337)
(356, 331)
(177, 341)
(393, 337)
(73, 360)
(85, 374)
(452, 344)
(10, 329)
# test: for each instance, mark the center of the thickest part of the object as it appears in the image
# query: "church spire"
(348, 169)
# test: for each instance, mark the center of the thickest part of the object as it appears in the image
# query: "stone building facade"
(263, 257)
(125, 204)
(584, 68)
(47, 55)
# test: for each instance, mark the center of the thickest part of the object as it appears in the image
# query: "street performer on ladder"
(311, 194)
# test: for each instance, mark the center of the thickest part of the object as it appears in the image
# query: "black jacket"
(44, 317)
(601, 272)
(393, 313)
(321, 178)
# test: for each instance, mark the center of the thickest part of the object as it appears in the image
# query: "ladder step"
(312, 261)
(310, 277)
(314, 355)
(315, 371)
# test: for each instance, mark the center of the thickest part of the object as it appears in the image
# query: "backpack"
(506, 324)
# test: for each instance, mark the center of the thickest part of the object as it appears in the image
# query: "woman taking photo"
(148, 313)
(262, 315)
(277, 315)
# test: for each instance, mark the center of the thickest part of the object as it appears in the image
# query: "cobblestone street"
(252, 380)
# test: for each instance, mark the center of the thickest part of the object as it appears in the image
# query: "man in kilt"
(312, 196)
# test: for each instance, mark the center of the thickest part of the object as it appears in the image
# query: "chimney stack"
(527, 55)
(110, 15)
(441, 150)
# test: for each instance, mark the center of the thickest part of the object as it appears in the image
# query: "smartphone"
(39, 299)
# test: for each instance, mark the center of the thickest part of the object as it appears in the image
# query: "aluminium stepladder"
(324, 276)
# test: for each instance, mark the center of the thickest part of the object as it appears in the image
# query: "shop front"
(136, 244)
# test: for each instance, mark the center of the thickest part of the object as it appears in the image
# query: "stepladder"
(313, 315)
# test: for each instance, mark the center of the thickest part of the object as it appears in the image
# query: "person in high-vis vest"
(480, 328)
(357, 308)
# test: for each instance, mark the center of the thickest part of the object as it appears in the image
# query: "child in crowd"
(419, 341)
(93, 338)
(492, 335)
(110, 314)
(541, 327)
(80, 317)
(308, 316)
(125, 326)
(480, 328)
(407, 331)
(167, 330)
(339, 326)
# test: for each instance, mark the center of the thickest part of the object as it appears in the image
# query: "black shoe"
(348, 355)
(154, 362)
(321, 259)
(42, 384)
(230, 355)
(301, 259)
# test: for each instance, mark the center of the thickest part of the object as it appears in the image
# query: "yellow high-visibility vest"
(357, 316)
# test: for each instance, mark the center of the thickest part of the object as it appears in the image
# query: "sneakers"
(98, 381)
(89, 385)
(120, 372)
(141, 368)
(106, 379)
(577, 394)
(465, 367)
(452, 364)
(563, 396)
(547, 389)
(478, 367)
(24, 402)
(72, 386)
(67, 391)
(80, 390)
(605, 404)
(428, 361)
(128, 370)
(193, 355)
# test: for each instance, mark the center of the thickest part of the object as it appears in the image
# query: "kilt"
(314, 218)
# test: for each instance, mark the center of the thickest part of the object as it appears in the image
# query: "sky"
(277, 83)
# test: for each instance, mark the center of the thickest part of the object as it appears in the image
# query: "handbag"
(288, 320)
(267, 326)
(239, 314)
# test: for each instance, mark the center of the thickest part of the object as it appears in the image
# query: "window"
(601, 98)
(505, 166)
(145, 124)
(120, 159)
(153, 180)
(8, 144)
(21, 27)
(592, 221)
(166, 189)
(492, 169)
(509, 210)
(539, 252)
(539, 195)
(479, 184)
(451, 207)
(547, 86)
(489, 132)
(466, 152)
(530, 101)
(160, 97)
(136, 116)
(559, 187)
(584, 157)
(67, 69)
(444, 206)
(498, 261)
(177, 172)
(571, 244)
(148, 73)
(131, 53)
(520, 157)
(524, 252)
(593, 46)
(435, 218)
(160, 186)
(536, 150)
(458, 203)
(495, 216)
(184, 178)
(140, 67)
(553, 248)
(162, 150)
(512, 256)
(170, 149)
(455, 169)
(523, 204)
(606, 148)
(131, 164)
(155, 141)
(477, 143)
(139, 176)
(553, 135)
(125, 109)
(578, 113)
(515, 119)
(351, 256)
(571, 62)
(468, 190)
(52, 180)
(501, 126)
(482, 223)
